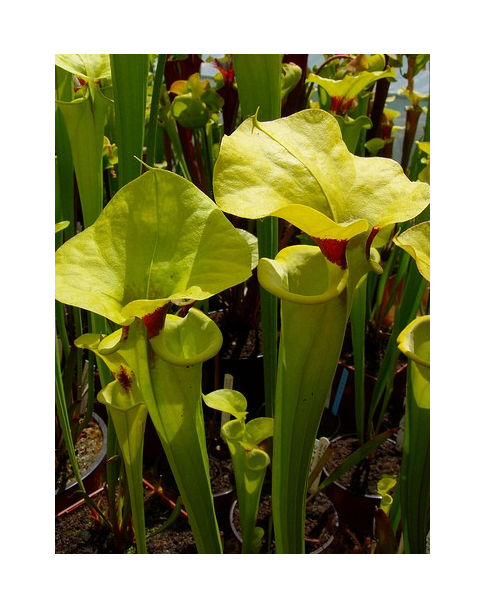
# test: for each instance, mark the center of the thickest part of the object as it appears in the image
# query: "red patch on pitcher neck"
(334, 250)
(154, 321)
(373, 233)
(125, 379)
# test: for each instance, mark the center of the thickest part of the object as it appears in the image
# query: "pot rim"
(99, 459)
(376, 497)
(320, 549)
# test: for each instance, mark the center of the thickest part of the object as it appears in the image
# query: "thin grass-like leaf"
(172, 133)
(414, 341)
(358, 332)
(258, 78)
(353, 459)
(64, 160)
(153, 125)
(129, 75)
(412, 294)
(65, 421)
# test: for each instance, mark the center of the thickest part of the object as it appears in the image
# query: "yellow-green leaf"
(342, 92)
(414, 341)
(227, 400)
(88, 67)
(159, 239)
(188, 340)
(416, 242)
(298, 168)
(301, 274)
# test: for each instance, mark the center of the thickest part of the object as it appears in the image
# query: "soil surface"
(82, 531)
(87, 448)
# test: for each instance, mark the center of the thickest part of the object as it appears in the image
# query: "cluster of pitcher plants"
(171, 189)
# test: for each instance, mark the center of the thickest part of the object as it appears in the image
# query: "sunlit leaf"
(227, 400)
(342, 92)
(188, 340)
(158, 239)
(414, 341)
(416, 242)
(88, 67)
(61, 226)
(301, 274)
(299, 168)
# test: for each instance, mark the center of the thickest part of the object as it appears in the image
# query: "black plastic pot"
(223, 502)
(92, 478)
(356, 510)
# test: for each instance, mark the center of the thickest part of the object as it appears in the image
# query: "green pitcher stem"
(249, 505)
(180, 425)
(85, 127)
(249, 460)
(249, 483)
(129, 423)
(113, 473)
(248, 489)
(311, 341)
(173, 398)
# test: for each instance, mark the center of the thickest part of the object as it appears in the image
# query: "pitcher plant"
(414, 342)
(249, 457)
(299, 168)
(158, 246)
